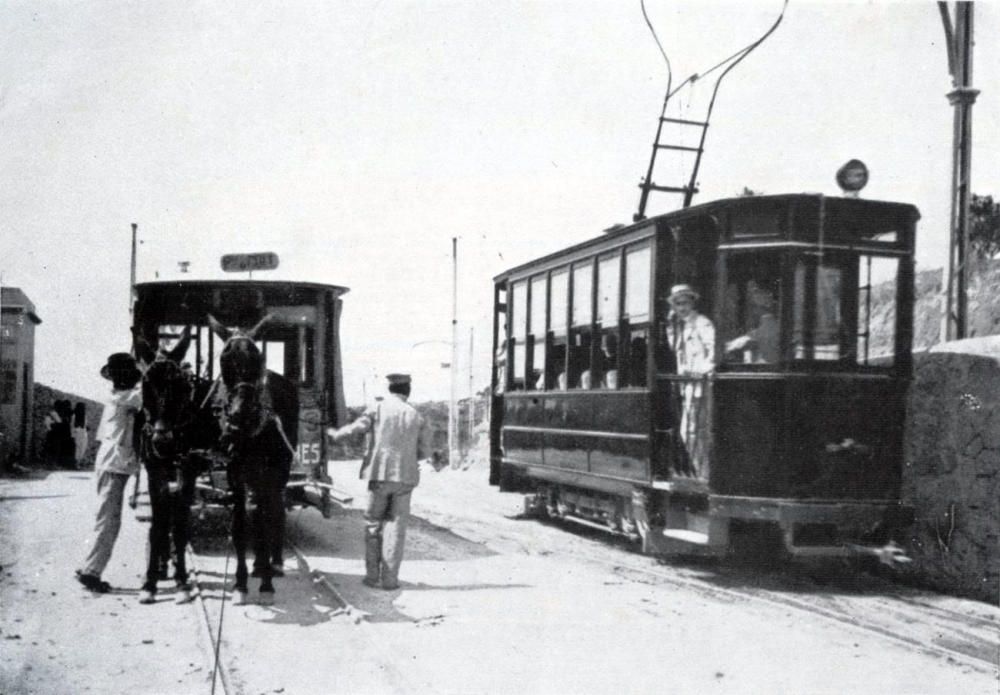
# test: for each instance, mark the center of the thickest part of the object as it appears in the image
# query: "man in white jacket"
(116, 463)
(400, 437)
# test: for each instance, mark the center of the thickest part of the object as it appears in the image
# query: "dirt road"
(494, 603)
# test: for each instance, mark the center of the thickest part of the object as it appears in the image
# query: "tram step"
(681, 534)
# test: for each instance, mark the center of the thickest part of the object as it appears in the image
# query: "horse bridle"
(154, 434)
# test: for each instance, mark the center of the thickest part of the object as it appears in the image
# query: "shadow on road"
(21, 498)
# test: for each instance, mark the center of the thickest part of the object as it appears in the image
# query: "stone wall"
(952, 471)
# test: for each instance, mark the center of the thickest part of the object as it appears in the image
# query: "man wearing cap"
(116, 463)
(399, 437)
(691, 337)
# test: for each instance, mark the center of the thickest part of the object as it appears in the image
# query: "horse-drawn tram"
(733, 369)
(294, 326)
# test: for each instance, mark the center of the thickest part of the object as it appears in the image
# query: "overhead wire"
(730, 62)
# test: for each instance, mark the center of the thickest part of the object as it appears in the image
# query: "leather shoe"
(95, 584)
(373, 583)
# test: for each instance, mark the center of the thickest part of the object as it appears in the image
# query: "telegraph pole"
(472, 393)
(131, 277)
(452, 424)
(958, 37)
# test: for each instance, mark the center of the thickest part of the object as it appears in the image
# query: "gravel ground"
(490, 602)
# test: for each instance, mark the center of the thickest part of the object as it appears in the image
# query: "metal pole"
(452, 452)
(131, 277)
(472, 394)
(962, 97)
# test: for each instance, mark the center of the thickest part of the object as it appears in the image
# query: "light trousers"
(110, 496)
(386, 515)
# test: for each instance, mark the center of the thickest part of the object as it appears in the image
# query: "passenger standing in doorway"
(400, 437)
(691, 337)
(116, 463)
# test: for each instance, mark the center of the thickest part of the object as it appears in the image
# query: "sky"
(356, 139)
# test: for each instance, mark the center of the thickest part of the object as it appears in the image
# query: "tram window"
(581, 315)
(816, 323)
(274, 352)
(829, 290)
(838, 323)
(536, 332)
(518, 333)
(637, 287)
(608, 285)
(749, 318)
(558, 306)
(877, 286)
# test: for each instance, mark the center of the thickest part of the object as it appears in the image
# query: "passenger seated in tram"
(608, 361)
(761, 344)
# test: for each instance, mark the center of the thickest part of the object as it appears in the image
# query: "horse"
(260, 413)
(163, 442)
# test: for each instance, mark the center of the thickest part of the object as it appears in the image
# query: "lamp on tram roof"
(852, 177)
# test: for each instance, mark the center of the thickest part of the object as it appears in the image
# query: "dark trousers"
(171, 491)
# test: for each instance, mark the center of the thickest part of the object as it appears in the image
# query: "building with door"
(17, 356)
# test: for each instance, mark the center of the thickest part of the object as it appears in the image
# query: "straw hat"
(683, 290)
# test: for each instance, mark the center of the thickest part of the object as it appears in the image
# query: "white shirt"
(694, 347)
(117, 454)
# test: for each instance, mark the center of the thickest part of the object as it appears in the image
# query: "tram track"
(840, 617)
(212, 638)
(978, 654)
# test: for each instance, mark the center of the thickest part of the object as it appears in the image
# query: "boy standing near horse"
(116, 463)
(400, 437)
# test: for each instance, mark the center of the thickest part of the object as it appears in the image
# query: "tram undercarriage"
(684, 522)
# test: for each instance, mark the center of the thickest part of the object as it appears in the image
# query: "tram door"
(685, 254)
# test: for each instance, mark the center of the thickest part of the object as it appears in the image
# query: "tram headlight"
(852, 177)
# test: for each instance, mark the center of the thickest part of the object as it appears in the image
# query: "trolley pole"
(962, 97)
(452, 424)
(131, 277)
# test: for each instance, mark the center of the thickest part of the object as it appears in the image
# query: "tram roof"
(237, 302)
(279, 285)
(745, 203)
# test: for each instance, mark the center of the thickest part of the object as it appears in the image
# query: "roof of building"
(14, 300)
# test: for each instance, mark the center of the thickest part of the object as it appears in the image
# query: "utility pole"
(452, 424)
(472, 394)
(131, 277)
(958, 38)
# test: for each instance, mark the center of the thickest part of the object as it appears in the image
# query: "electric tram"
(795, 428)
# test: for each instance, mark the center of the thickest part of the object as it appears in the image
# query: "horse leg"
(182, 533)
(240, 544)
(278, 539)
(263, 529)
(159, 530)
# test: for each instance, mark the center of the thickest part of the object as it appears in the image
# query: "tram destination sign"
(249, 262)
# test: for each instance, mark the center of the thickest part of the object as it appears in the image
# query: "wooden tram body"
(300, 341)
(802, 439)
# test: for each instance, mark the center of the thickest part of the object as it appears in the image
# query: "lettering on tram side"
(309, 453)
